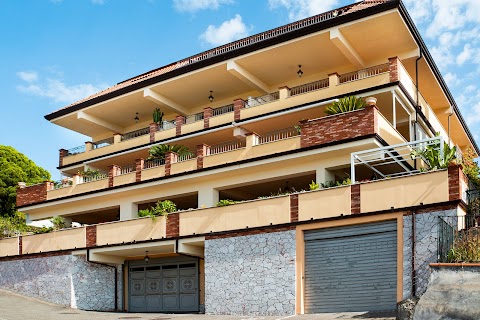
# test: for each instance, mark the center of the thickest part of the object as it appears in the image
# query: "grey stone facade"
(64, 279)
(426, 250)
(251, 275)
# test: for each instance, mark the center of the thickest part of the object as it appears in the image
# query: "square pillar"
(203, 150)
(128, 211)
(153, 128)
(88, 146)
(170, 157)
(251, 140)
(333, 79)
(207, 197)
(62, 154)
(138, 169)
(207, 114)
(179, 121)
(238, 104)
(117, 138)
(113, 171)
(323, 175)
(283, 92)
(393, 69)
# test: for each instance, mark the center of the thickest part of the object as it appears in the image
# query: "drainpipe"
(451, 114)
(414, 272)
(417, 104)
(115, 276)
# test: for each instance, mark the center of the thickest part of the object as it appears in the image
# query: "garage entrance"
(351, 268)
(163, 285)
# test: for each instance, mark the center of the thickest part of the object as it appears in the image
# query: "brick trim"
(138, 169)
(242, 233)
(170, 157)
(33, 194)
(202, 151)
(62, 154)
(179, 121)
(393, 68)
(173, 225)
(355, 198)
(90, 236)
(113, 171)
(238, 104)
(153, 128)
(293, 207)
(207, 114)
(454, 192)
(20, 245)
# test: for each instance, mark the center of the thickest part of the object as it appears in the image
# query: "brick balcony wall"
(339, 127)
(33, 194)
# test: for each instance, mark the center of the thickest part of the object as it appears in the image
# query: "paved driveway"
(15, 307)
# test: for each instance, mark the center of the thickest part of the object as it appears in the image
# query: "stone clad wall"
(251, 275)
(62, 279)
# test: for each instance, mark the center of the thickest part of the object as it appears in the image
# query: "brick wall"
(293, 207)
(33, 194)
(393, 68)
(338, 127)
(91, 236)
(355, 198)
(173, 225)
(207, 114)
(62, 154)
(179, 121)
(153, 129)
(238, 105)
(454, 192)
(138, 169)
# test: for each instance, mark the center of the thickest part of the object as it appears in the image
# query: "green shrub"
(346, 104)
(314, 186)
(58, 223)
(225, 202)
(159, 151)
(333, 183)
(466, 247)
(161, 208)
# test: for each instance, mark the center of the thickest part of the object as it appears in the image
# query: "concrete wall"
(251, 275)
(62, 279)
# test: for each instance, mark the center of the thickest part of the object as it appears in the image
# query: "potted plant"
(346, 104)
(157, 116)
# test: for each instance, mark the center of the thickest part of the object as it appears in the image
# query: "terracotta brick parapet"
(173, 225)
(455, 175)
(90, 236)
(179, 121)
(138, 169)
(33, 194)
(202, 151)
(238, 104)
(113, 171)
(293, 207)
(170, 157)
(393, 69)
(339, 127)
(355, 198)
(207, 114)
(62, 154)
(153, 128)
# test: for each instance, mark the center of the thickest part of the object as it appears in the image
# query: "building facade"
(282, 209)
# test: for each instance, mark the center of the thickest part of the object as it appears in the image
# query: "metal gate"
(351, 268)
(163, 285)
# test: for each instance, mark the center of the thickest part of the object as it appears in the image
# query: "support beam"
(190, 250)
(82, 115)
(207, 197)
(164, 101)
(346, 48)
(247, 77)
(105, 258)
(128, 211)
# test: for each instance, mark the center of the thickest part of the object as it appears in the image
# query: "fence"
(194, 118)
(312, 86)
(135, 134)
(127, 169)
(253, 102)
(278, 135)
(167, 125)
(459, 239)
(153, 163)
(226, 147)
(102, 143)
(76, 150)
(364, 73)
(97, 177)
(185, 157)
(223, 110)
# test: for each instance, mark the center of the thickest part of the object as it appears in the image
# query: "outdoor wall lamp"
(300, 72)
(136, 118)
(147, 258)
(211, 97)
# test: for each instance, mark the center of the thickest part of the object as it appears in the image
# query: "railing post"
(238, 104)
(117, 138)
(138, 169)
(62, 154)
(393, 69)
(88, 146)
(179, 121)
(283, 93)
(76, 179)
(170, 157)
(153, 128)
(333, 80)
(251, 140)
(207, 114)
(202, 151)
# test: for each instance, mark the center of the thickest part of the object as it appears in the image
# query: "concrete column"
(68, 222)
(88, 146)
(251, 140)
(117, 138)
(128, 211)
(207, 197)
(323, 175)
(283, 93)
(333, 80)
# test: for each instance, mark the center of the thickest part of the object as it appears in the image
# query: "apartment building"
(318, 213)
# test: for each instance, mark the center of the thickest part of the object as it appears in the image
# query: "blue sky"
(55, 52)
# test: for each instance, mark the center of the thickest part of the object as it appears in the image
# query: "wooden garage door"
(351, 268)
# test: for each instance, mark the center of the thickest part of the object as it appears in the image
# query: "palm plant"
(432, 156)
(157, 116)
(346, 104)
(159, 151)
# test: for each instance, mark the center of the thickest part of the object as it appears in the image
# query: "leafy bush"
(58, 223)
(346, 104)
(225, 202)
(159, 151)
(157, 116)
(314, 186)
(333, 183)
(16, 225)
(466, 247)
(90, 173)
(161, 208)
(431, 155)
(470, 167)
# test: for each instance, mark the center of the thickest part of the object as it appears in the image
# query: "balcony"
(365, 197)
(334, 85)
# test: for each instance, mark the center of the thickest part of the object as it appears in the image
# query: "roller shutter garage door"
(351, 268)
(164, 286)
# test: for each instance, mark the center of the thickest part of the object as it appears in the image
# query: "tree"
(16, 167)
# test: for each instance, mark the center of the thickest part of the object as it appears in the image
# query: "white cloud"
(451, 79)
(28, 76)
(56, 89)
(195, 5)
(100, 2)
(465, 55)
(299, 9)
(228, 31)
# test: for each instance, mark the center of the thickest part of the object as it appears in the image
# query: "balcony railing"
(64, 183)
(223, 110)
(226, 147)
(135, 134)
(153, 163)
(167, 125)
(254, 102)
(76, 150)
(278, 135)
(364, 73)
(185, 157)
(308, 87)
(102, 143)
(100, 176)
(127, 169)
(194, 118)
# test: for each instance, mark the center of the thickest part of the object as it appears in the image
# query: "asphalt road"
(16, 307)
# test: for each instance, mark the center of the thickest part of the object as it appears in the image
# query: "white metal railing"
(102, 143)
(396, 160)
(194, 118)
(364, 73)
(223, 110)
(76, 150)
(64, 183)
(278, 135)
(167, 125)
(312, 86)
(185, 157)
(257, 101)
(135, 134)
(126, 169)
(226, 147)
(100, 176)
(153, 163)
